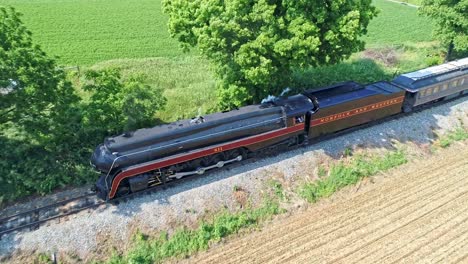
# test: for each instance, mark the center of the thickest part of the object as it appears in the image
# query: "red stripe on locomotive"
(183, 158)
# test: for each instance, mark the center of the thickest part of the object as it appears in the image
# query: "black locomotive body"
(151, 156)
(151, 143)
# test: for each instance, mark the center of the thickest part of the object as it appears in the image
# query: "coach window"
(444, 87)
(436, 89)
(453, 84)
(422, 93)
(428, 91)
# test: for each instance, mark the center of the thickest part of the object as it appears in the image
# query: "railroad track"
(35, 217)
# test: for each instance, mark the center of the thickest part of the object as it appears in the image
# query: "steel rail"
(35, 212)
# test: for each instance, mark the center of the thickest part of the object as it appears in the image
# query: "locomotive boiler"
(133, 161)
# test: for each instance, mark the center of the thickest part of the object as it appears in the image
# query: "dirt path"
(419, 213)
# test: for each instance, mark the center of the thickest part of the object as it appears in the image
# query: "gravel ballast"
(185, 203)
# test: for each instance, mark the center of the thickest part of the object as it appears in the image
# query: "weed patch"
(341, 175)
(278, 191)
(185, 242)
(458, 134)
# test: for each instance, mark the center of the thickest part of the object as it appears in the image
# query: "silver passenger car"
(439, 82)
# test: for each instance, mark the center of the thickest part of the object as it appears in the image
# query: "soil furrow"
(387, 249)
(378, 218)
(344, 217)
(359, 236)
(417, 214)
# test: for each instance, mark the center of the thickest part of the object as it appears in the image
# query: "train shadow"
(166, 208)
(418, 128)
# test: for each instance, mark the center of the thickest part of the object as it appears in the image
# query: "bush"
(118, 105)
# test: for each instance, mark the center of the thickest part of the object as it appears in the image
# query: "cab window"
(299, 119)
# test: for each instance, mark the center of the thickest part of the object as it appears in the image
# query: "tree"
(118, 105)
(39, 115)
(47, 132)
(30, 81)
(451, 21)
(255, 45)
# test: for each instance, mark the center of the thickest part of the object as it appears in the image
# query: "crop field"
(83, 32)
(397, 24)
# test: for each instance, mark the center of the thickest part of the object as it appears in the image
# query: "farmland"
(133, 35)
(421, 221)
(397, 24)
(84, 32)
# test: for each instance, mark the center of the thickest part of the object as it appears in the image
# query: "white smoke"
(272, 98)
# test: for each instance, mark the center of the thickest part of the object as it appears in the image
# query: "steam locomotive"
(133, 161)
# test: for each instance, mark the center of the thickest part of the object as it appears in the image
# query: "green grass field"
(397, 24)
(188, 83)
(413, 2)
(83, 32)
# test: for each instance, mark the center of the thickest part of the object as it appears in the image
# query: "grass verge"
(458, 134)
(185, 242)
(341, 175)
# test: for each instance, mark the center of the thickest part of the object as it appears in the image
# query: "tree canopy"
(30, 81)
(118, 105)
(451, 17)
(47, 131)
(255, 45)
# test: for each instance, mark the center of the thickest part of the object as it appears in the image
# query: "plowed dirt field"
(417, 213)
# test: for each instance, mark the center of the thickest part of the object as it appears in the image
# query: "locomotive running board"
(202, 170)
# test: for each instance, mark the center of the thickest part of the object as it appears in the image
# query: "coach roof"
(414, 80)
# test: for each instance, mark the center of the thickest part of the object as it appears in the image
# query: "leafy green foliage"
(38, 115)
(83, 32)
(451, 21)
(184, 241)
(47, 132)
(30, 81)
(117, 105)
(342, 175)
(254, 45)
